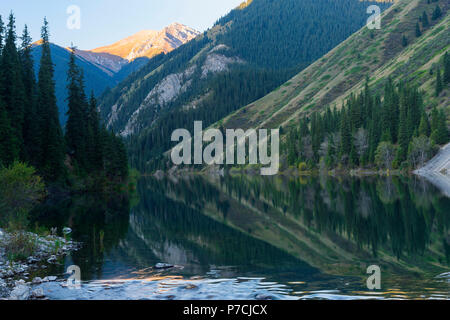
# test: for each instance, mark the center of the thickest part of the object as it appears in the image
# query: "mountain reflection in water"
(241, 237)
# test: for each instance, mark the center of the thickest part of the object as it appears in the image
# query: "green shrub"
(20, 246)
(302, 166)
(20, 190)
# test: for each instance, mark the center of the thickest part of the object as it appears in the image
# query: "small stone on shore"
(37, 280)
(38, 293)
(163, 266)
(20, 292)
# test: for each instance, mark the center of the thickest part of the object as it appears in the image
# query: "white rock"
(19, 282)
(32, 260)
(37, 280)
(50, 278)
(21, 292)
(38, 293)
(164, 266)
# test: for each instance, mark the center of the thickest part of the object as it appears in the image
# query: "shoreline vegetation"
(254, 170)
(42, 161)
(23, 254)
(396, 132)
(390, 133)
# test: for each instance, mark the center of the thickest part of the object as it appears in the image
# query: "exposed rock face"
(172, 86)
(149, 43)
(107, 66)
(216, 63)
(109, 63)
(163, 93)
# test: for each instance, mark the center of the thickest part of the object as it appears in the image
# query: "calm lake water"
(240, 237)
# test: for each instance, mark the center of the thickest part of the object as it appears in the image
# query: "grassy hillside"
(244, 56)
(379, 54)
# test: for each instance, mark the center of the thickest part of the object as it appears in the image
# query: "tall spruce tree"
(401, 112)
(2, 30)
(31, 117)
(94, 145)
(437, 13)
(446, 68)
(440, 135)
(425, 22)
(424, 127)
(439, 85)
(12, 84)
(346, 134)
(51, 158)
(76, 126)
(403, 137)
(434, 119)
(418, 31)
(8, 145)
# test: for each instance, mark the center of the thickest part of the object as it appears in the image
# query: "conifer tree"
(353, 156)
(440, 134)
(94, 145)
(434, 119)
(403, 137)
(115, 161)
(346, 135)
(425, 22)
(292, 156)
(404, 41)
(446, 68)
(424, 127)
(76, 126)
(12, 85)
(331, 154)
(418, 31)
(8, 145)
(51, 159)
(2, 30)
(437, 13)
(31, 117)
(439, 85)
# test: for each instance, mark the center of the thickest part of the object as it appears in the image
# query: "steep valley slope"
(244, 56)
(377, 54)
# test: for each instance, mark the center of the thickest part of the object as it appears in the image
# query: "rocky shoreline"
(15, 276)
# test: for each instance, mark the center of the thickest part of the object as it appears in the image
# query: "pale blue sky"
(106, 21)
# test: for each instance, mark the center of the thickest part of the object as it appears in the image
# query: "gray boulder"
(37, 280)
(20, 292)
(38, 293)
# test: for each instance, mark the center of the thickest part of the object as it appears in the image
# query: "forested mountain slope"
(97, 80)
(105, 67)
(408, 48)
(244, 56)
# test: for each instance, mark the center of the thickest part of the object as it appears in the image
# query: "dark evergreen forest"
(391, 132)
(30, 131)
(276, 39)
